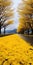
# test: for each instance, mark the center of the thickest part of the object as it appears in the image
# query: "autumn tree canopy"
(25, 10)
(6, 12)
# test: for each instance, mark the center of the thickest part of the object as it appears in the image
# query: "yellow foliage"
(28, 2)
(21, 25)
(15, 50)
(25, 13)
(8, 23)
(6, 11)
(8, 14)
(4, 3)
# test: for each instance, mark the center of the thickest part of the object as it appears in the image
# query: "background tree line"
(6, 12)
(25, 10)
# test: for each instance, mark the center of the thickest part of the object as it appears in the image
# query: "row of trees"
(5, 13)
(25, 11)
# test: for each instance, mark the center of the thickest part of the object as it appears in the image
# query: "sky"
(15, 25)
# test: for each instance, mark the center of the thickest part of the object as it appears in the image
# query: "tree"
(5, 13)
(6, 24)
(26, 16)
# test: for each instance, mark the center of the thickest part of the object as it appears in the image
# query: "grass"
(15, 51)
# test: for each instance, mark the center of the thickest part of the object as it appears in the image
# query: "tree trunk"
(32, 31)
(4, 30)
(0, 27)
(28, 31)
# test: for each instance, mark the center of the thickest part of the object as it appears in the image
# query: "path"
(29, 39)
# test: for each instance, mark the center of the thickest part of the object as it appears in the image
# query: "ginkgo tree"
(6, 12)
(25, 11)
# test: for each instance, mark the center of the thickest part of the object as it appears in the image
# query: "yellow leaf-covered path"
(15, 51)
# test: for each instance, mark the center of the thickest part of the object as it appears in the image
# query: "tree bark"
(0, 27)
(4, 30)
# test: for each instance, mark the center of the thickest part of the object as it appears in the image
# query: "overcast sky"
(15, 25)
